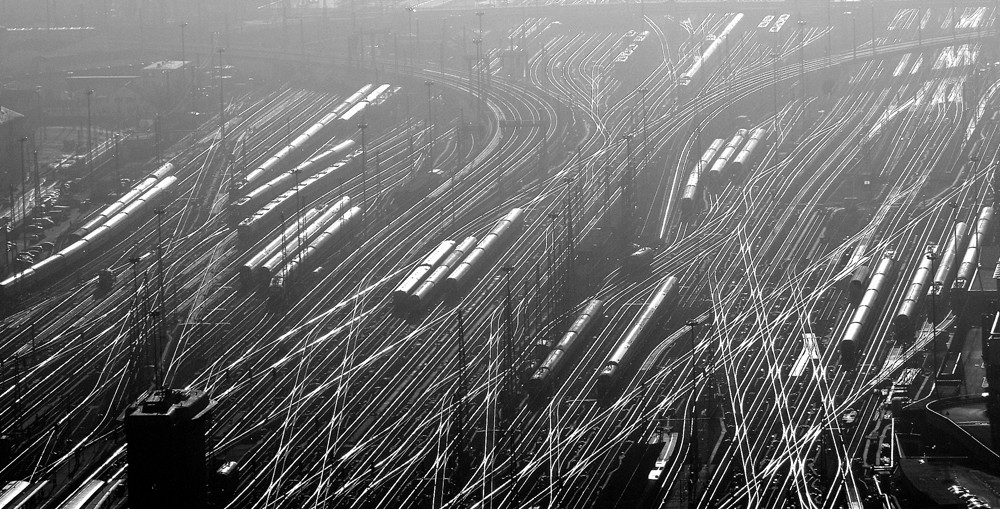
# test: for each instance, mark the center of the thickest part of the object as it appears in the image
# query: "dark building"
(165, 431)
(13, 127)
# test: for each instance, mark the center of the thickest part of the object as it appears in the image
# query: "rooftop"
(7, 115)
(165, 65)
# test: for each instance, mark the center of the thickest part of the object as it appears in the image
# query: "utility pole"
(459, 459)
(571, 242)
(184, 64)
(38, 184)
(510, 384)
(118, 169)
(774, 82)
(90, 142)
(645, 131)
(430, 121)
(161, 332)
(364, 174)
(693, 444)
(24, 198)
(935, 288)
(628, 194)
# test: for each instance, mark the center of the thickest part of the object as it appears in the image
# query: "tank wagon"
(946, 266)
(970, 261)
(865, 315)
(906, 315)
(745, 157)
(717, 174)
(692, 189)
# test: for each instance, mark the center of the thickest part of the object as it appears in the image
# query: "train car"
(692, 189)
(245, 271)
(270, 214)
(12, 490)
(906, 315)
(689, 81)
(263, 272)
(652, 313)
(401, 295)
(970, 261)
(325, 243)
(267, 191)
(638, 262)
(83, 495)
(105, 498)
(494, 241)
(121, 202)
(418, 298)
(24, 495)
(865, 314)
(856, 285)
(743, 161)
(72, 255)
(555, 362)
(310, 137)
(717, 173)
(946, 267)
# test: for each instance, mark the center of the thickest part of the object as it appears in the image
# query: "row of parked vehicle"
(51, 210)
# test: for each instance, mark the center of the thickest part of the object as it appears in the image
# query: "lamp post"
(873, 27)
(222, 104)
(118, 172)
(802, 58)
(774, 57)
(364, 175)
(90, 159)
(409, 35)
(479, 76)
(954, 15)
(430, 120)
(183, 61)
(645, 132)
(854, 35)
(38, 184)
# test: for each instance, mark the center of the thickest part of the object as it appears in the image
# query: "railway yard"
(663, 261)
